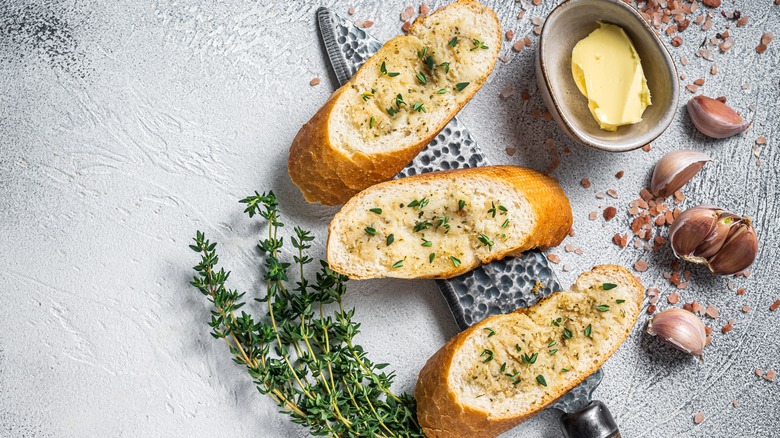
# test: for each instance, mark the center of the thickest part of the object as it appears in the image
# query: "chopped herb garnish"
(376, 210)
(421, 77)
(461, 85)
(505, 224)
(620, 301)
(567, 333)
(429, 63)
(392, 111)
(540, 379)
(424, 225)
(516, 382)
(413, 204)
(553, 351)
(502, 208)
(564, 370)
(371, 122)
(557, 322)
(551, 343)
(383, 70)
(446, 66)
(399, 100)
(485, 240)
(422, 53)
(503, 368)
(398, 264)
(368, 94)
(442, 91)
(455, 261)
(419, 107)
(369, 230)
(421, 203)
(588, 330)
(602, 308)
(489, 355)
(492, 209)
(390, 239)
(478, 44)
(490, 331)
(528, 360)
(453, 42)
(517, 347)
(461, 204)
(442, 222)
(608, 286)
(431, 256)
(426, 242)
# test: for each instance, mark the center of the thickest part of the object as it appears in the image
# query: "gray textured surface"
(125, 126)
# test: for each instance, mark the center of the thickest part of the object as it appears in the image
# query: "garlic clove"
(738, 252)
(692, 227)
(680, 328)
(723, 229)
(675, 169)
(714, 118)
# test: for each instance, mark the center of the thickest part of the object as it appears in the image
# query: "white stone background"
(127, 125)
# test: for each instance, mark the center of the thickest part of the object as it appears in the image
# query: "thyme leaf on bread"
(297, 342)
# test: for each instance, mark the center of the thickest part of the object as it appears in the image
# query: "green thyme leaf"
(455, 261)
(461, 204)
(505, 224)
(608, 286)
(485, 240)
(453, 42)
(390, 239)
(371, 122)
(489, 355)
(540, 379)
(370, 231)
(490, 331)
(620, 301)
(429, 63)
(553, 352)
(375, 210)
(446, 66)
(442, 91)
(460, 86)
(602, 308)
(478, 44)
(398, 264)
(567, 333)
(431, 257)
(419, 107)
(421, 77)
(588, 330)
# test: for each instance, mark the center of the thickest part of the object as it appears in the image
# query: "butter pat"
(609, 73)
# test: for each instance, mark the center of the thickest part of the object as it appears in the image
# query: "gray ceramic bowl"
(572, 21)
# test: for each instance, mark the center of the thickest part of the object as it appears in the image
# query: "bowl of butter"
(605, 76)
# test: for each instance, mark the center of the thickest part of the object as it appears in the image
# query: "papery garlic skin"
(675, 169)
(724, 241)
(714, 118)
(681, 329)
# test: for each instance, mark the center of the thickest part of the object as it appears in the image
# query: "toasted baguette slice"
(375, 124)
(462, 390)
(446, 223)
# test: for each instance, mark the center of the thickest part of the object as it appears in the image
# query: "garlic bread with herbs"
(396, 103)
(443, 224)
(506, 368)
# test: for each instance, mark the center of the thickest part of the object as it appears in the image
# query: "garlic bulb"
(680, 328)
(724, 241)
(675, 169)
(714, 118)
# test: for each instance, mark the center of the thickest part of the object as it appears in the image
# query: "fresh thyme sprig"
(298, 352)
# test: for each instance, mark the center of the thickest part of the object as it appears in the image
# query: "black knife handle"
(593, 421)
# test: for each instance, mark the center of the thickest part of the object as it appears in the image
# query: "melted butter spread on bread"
(427, 75)
(560, 338)
(436, 225)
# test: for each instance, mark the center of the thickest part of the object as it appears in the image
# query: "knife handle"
(593, 421)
